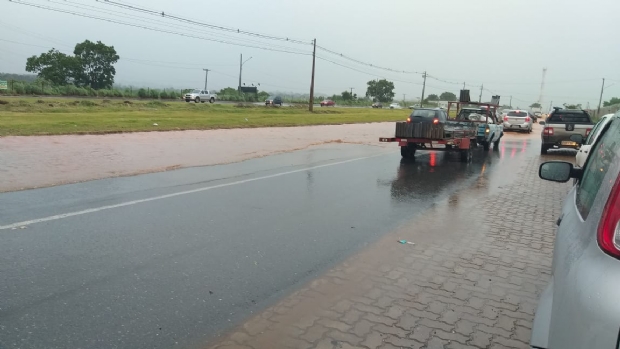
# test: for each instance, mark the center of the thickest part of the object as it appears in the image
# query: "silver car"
(580, 308)
(518, 120)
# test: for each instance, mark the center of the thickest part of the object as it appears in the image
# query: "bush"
(173, 95)
(87, 103)
(156, 104)
(3, 101)
(163, 95)
(154, 94)
(142, 93)
(118, 93)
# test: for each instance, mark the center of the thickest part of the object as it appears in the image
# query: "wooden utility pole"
(423, 88)
(206, 77)
(240, 70)
(310, 107)
(480, 98)
(598, 112)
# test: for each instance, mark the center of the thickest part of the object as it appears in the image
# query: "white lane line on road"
(134, 202)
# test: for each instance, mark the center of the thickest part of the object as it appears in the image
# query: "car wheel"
(197, 100)
(496, 144)
(212, 100)
(486, 146)
(187, 101)
(543, 149)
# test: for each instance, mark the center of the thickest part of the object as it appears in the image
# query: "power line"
(366, 64)
(153, 29)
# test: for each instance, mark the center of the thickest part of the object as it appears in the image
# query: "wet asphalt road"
(174, 258)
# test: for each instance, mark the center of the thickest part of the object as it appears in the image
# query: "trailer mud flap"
(465, 143)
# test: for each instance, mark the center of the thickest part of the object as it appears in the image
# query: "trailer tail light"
(548, 131)
(588, 132)
(527, 119)
(609, 227)
(408, 119)
(435, 121)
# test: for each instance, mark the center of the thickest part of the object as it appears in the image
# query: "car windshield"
(424, 113)
(517, 113)
(464, 114)
(196, 91)
(577, 118)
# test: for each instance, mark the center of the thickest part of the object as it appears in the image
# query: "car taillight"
(527, 119)
(506, 118)
(408, 119)
(588, 131)
(435, 121)
(548, 131)
(609, 226)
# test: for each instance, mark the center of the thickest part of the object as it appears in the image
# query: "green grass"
(32, 116)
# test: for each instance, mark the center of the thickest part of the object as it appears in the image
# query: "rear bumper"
(509, 126)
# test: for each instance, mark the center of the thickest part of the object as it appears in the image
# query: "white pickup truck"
(200, 96)
(490, 131)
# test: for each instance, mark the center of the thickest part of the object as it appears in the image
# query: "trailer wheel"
(407, 152)
(466, 155)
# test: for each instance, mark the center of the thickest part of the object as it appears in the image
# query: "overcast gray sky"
(503, 44)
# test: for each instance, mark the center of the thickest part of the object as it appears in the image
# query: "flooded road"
(41, 161)
(177, 257)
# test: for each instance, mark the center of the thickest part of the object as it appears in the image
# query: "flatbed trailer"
(456, 136)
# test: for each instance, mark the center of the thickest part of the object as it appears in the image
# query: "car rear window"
(577, 118)
(517, 113)
(422, 113)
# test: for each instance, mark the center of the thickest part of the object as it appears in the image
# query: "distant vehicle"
(377, 105)
(395, 106)
(582, 154)
(414, 106)
(489, 132)
(328, 103)
(200, 96)
(274, 100)
(428, 115)
(560, 125)
(579, 308)
(518, 120)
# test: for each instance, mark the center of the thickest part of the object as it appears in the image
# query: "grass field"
(32, 116)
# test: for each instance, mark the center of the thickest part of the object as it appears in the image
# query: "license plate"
(569, 143)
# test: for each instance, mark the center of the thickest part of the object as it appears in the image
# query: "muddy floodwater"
(40, 161)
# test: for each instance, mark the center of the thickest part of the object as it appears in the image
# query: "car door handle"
(559, 221)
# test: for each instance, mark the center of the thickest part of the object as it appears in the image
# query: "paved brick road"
(472, 279)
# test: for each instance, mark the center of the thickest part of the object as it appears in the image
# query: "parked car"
(518, 120)
(377, 105)
(414, 106)
(274, 100)
(328, 103)
(580, 307)
(200, 96)
(561, 125)
(395, 106)
(583, 152)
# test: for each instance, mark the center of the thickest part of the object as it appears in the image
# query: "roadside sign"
(3, 85)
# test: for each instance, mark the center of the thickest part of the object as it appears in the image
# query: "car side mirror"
(541, 122)
(559, 171)
(576, 138)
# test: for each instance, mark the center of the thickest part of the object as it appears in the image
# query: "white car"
(395, 106)
(582, 154)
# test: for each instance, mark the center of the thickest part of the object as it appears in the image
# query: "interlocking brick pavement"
(470, 281)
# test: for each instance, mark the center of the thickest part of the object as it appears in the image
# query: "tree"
(347, 96)
(381, 90)
(447, 96)
(613, 101)
(96, 64)
(53, 66)
(432, 97)
(535, 105)
(572, 106)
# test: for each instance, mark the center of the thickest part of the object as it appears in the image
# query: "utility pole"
(551, 106)
(206, 77)
(598, 112)
(404, 97)
(480, 98)
(312, 79)
(423, 88)
(463, 85)
(351, 88)
(510, 101)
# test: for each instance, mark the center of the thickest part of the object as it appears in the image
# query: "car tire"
(407, 152)
(544, 149)
(187, 101)
(486, 146)
(212, 100)
(197, 100)
(496, 144)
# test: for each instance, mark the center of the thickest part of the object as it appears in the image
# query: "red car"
(328, 103)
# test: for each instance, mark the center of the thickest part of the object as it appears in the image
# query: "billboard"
(4, 85)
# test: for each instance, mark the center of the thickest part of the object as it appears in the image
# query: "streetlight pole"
(598, 112)
(241, 63)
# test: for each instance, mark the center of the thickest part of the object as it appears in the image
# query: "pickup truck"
(487, 133)
(560, 125)
(200, 96)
